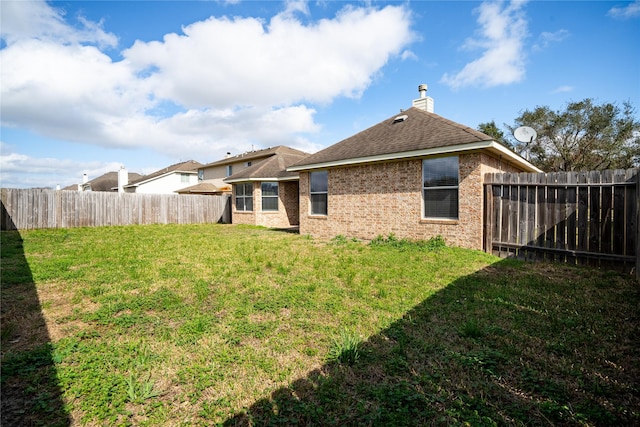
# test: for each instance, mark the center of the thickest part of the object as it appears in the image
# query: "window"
(269, 196)
(184, 177)
(440, 187)
(229, 170)
(200, 174)
(319, 183)
(247, 164)
(244, 197)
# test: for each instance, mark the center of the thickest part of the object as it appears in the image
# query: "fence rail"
(37, 208)
(574, 217)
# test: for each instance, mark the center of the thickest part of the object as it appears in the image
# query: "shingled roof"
(412, 133)
(203, 188)
(274, 167)
(106, 182)
(254, 155)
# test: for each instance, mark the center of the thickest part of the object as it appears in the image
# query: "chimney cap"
(423, 90)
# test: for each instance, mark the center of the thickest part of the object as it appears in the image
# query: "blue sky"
(89, 86)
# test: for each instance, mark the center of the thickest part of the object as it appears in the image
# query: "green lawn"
(232, 325)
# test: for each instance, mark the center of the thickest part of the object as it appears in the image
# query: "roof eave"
(258, 179)
(491, 145)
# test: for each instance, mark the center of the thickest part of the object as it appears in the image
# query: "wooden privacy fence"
(36, 208)
(574, 217)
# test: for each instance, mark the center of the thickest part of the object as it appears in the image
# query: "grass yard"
(232, 325)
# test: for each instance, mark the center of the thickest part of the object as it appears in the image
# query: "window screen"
(244, 197)
(319, 183)
(269, 196)
(440, 187)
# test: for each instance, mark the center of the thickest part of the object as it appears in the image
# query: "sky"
(92, 86)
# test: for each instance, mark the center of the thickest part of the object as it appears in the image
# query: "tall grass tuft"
(345, 348)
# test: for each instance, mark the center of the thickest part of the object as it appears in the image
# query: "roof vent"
(401, 118)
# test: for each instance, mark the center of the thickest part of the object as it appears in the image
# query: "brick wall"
(286, 216)
(366, 201)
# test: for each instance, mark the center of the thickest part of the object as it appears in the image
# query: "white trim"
(236, 180)
(460, 148)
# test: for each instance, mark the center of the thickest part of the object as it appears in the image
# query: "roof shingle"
(420, 130)
(272, 167)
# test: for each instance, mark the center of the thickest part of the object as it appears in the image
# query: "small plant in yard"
(345, 348)
(472, 329)
(140, 388)
(391, 240)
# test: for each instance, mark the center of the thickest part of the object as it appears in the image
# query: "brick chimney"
(424, 102)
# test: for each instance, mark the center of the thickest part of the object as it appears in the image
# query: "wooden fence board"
(576, 217)
(36, 208)
(571, 215)
(619, 220)
(606, 211)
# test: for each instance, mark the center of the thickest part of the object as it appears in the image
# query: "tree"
(492, 130)
(585, 136)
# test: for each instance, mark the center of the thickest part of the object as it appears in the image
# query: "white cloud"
(22, 171)
(293, 6)
(547, 38)
(242, 61)
(501, 37)
(36, 19)
(632, 10)
(407, 54)
(233, 82)
(563, 89)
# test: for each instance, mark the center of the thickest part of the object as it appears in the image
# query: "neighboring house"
(416, 175)
(167, 180)
(106, 182)
(216, 172)
(264, 193)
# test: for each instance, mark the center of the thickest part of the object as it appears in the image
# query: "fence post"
(488, 211)
(638, 225)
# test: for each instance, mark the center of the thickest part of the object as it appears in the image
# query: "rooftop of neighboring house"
(254, 155)
(106, 182)
(416, 132)
(204, 188)
(190, 166)
(272, 168)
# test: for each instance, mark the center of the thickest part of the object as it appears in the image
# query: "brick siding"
(286, 216)
(369, 200)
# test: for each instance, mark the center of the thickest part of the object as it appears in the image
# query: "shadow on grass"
(513, 344)
(30, 392)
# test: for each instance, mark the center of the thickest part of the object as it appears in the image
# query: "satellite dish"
(525, 134)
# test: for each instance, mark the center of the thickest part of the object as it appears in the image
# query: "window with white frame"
(229, 170)
(269, 192)
(319, 192)
(184, 177)
(244, 197)
(440, 187)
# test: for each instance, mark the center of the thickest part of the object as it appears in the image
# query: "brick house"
(415, 174)
(264, 192)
